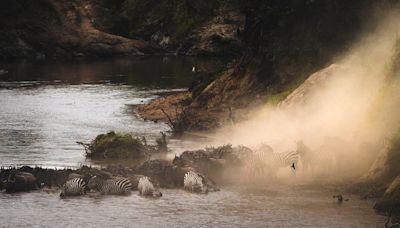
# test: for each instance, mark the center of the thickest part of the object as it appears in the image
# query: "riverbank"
(60, 29)
(49, 29)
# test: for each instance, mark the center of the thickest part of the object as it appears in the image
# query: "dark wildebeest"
(20, 181)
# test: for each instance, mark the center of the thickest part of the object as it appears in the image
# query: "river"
(45, 107)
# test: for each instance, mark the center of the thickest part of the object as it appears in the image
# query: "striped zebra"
(258, 163)
(146, 188)
(286, 159)
(73, 187)
(256, 166)
(323, 160)
(112, 186)
(264, 163)
(194, 182)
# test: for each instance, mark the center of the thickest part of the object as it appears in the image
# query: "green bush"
(116, 145)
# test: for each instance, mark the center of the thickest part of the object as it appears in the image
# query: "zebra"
(256, 166)
(286, 159)
(73, 187)
(146, 188)
(307, 156)
(257, 163)
(323, 160)
(194, 182)
(113, 186)
(264, 162)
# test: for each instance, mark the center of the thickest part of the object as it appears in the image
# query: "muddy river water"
(46, 107)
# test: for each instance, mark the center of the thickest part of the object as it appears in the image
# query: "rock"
(161, 39)
(391, 198)
(217, 37)
(60, 29)
(301, 95)
(339, 198)
(385, 167)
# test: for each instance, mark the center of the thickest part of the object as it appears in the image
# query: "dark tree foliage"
(142, 18)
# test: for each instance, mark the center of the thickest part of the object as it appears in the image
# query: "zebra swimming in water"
(194, 182)
(73, 187)
(286, 159)
(113, 186)
(146, 188)
(264, 162)
(258, 163)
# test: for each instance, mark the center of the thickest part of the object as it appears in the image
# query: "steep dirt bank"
(57, 28)
(284, 43)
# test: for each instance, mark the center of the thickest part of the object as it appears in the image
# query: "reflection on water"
(147, 72)
(46, 107)
(283, 207)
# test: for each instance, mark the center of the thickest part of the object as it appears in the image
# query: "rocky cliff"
(55, 28)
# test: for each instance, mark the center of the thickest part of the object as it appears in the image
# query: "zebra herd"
(264, 162)
(75, 186)
(114, 186)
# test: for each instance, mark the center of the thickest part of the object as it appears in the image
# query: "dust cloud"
(338, 113)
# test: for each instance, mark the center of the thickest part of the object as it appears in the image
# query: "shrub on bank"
(117, 146)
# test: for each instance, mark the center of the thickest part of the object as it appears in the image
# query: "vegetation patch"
(123, 146)
(116, 146)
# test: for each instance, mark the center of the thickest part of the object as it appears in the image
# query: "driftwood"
(181, 122)
(85, 146)
(170, 122)
(162, 145)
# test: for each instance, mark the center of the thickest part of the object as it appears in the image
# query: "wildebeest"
(18, 181)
